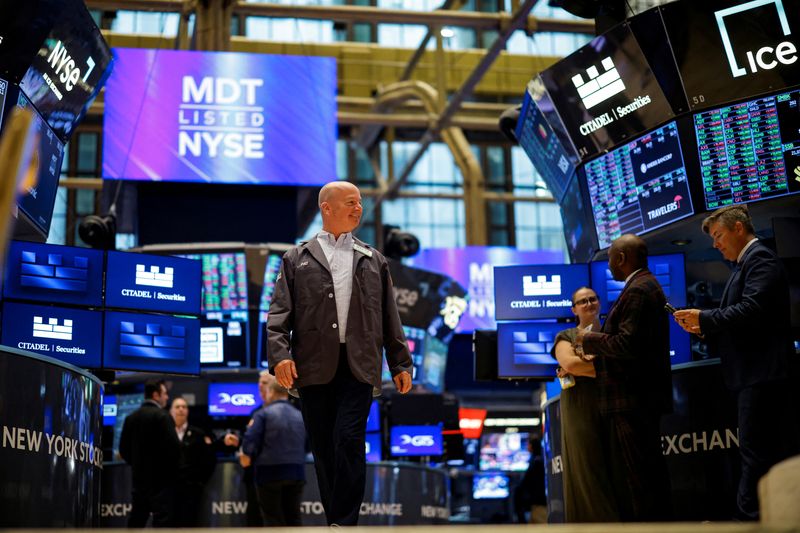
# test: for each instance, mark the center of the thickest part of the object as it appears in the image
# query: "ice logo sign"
(541, 287)
(767, 57)
(154, 278)
(599, 87)
(236, 399)
(51, 329)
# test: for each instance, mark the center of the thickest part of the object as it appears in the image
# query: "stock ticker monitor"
(504, 451)
(70, 335)
(640, 186)
(533, 292)
(523, 349)
(271, 271)
(153, 283)
(54, 274)
(750, 151)
(670, 271)
(224, 322)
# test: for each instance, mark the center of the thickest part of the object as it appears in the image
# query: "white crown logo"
(52, 330)
(541, 287)
(154, 278)
(599, 87)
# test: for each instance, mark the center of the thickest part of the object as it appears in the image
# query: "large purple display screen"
(220, 117)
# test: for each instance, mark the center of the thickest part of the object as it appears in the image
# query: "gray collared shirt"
(339, 253)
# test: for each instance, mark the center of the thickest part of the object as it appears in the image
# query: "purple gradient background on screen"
(143, 104)
(472, 267)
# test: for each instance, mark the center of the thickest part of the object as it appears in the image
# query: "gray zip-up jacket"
(302, 321)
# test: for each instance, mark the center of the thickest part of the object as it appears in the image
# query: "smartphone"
(669, 309)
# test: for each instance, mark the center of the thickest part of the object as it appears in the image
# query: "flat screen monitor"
(670, 271)
(153, 283)
(408, 441)
(579, 231)
(372, 446)
(490, 486)
(727, 51)
(4, 87)
(434, 364)
(523, 349)
(473, 268)
(232, 398)
(416, 340)
(416, 409)
(374, 417)
(225, 321)
(533, 292)
(126, 404)
(54, 274)
(151, 343)
(70, 335)
(220, 117)
(749, 151)
(271, 271)
(640, 186)
(109, 409)
(542, 146)
(69, 70)
(38, 200)
(606, 93)
(504, 451)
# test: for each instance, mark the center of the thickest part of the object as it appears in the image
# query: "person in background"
(751, 334)
(253, 516)
(332, 315)
(530, 496)
(196, 464)
(588, 489)
(635, 384)
(149, 444)
(276, 443)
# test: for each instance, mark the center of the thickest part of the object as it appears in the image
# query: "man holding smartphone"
(751, 333)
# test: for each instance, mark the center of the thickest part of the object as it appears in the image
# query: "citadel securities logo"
(218, 117)
(51, 330)
(541, 287)
(154, 278)
(599, 87)
(665, 209)
(767, 57)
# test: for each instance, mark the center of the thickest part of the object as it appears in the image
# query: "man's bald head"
(627, 254)
(340, 206)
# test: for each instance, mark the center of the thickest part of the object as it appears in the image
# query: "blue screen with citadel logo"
(537, 291)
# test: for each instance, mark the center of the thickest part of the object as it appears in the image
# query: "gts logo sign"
(236, 399)
(417, 441)
(64, 66)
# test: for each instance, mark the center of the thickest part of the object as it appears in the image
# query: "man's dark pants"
(280, 502)
(160, 501)
(767, 435)
(335, 416)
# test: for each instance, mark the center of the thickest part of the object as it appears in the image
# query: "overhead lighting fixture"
(682, 242)
(447, 33)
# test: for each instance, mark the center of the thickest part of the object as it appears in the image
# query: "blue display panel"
(372, 446)
(408, 441)
(221, 117)
(504, 451)
(670, 272)
(489, 486)
(543, 147)
(232, 399)
(537, 291)
(374, 417)
(151, 343)
(153, 283)
(54, 274)
(750, 151)
(109, 409)
(523, 349)
(640, 186)
(71, 335)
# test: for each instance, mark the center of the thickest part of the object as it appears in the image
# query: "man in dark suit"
(332, 314)
(751, 334)
(150, 445)
(631, 354)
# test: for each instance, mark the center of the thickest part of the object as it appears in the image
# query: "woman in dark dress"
(588, 494)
